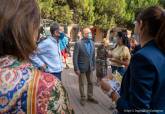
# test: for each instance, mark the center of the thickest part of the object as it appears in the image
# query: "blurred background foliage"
(101, 13)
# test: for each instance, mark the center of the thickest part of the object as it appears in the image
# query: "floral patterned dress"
(101, 62)
(24, 90)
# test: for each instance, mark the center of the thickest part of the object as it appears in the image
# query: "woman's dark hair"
(124, 31)
(125, 39)
(19, 23)
(153, 19)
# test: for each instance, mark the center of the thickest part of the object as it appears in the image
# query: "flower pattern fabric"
(24, 90)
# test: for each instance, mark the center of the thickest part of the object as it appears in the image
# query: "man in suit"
(84, 64)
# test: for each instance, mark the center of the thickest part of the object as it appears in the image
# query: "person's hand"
(77, 72)
(114, 96)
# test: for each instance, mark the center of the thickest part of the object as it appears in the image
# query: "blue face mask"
(62, 35)
(90, 36)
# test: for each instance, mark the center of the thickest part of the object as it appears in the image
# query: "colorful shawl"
(24, 90)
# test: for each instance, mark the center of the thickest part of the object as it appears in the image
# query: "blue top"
(63, 40)
(48, 53)
(144, 82)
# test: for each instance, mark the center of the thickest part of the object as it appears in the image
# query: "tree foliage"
(57, 10)
(162, 2)
(102, 13)
(133, 7)
(83, 11)
(108, 12)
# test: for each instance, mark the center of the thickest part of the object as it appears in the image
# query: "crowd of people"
(131, 72)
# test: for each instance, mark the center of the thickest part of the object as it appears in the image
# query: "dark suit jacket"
(143, 85)
(81, 59)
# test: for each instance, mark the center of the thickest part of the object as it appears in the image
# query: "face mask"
(137, 38)
(136, 32)
(62, 34)
(89, 35)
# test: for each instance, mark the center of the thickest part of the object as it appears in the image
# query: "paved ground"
(70, 81)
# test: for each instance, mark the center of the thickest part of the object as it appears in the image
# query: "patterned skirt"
(101, 68)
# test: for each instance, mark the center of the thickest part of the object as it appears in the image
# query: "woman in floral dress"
(101, 60)
(23, 89)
